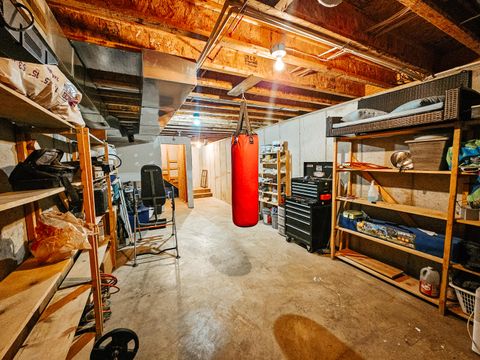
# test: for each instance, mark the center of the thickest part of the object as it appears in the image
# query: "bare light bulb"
(279, 64)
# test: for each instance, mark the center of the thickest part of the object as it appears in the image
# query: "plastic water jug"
(429, 282)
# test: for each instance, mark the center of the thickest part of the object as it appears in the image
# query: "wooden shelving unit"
(414, 210)
(280, 162)
(341, 236)
(31, 317)
(404, 282)
(13, 199)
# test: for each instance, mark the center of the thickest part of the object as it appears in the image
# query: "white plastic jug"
(373, 195)
(429, 282)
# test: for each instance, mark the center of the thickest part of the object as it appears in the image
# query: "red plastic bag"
(244, 174)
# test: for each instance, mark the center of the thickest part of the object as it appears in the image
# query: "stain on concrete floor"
(301, 338)
(239, 294)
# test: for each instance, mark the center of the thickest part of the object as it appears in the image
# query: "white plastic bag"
(44, 84)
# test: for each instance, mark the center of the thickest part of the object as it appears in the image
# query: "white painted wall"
(197, 165)
(216, 159)
(306, 141)
(135, 156)
(306, 135)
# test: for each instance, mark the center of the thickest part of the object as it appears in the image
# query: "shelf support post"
(334, 198)
(112, 223)
(31, 210)
(457, 137)
(89, 208)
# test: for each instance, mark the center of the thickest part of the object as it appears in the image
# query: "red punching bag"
(244, 173)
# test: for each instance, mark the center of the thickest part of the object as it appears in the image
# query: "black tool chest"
(308, 212)
(308, 222)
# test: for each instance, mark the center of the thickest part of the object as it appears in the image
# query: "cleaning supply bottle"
(429, 282)
(373, 194)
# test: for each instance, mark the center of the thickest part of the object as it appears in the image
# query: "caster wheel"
(310, 249)
(289, 239)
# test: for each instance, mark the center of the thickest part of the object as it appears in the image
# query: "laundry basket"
(465, 298)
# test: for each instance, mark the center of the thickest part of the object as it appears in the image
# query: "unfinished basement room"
(239, 179)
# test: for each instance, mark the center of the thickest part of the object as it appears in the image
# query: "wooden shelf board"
(23, 295)
(82, 347)
(54, 332)
(392, 245)
(80, 271)
(269, 192)
(468, 222)
(398, 207)
(268, 202)
(13, 199)
(20, 109)
(404, 282)
(455, 308)
(464, 269)
(73, 136)
(397, 171)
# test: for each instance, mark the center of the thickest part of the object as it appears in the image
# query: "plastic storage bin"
(428, 152)
(465, 298)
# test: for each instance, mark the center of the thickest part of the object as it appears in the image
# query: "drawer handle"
(303, 231)
(303, 222)
(299, 214)
(299, 209)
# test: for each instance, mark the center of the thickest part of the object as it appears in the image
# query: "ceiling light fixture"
(330, 3)
(278, 52)
(196, 119)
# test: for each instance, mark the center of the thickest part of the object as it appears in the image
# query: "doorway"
(174, 168)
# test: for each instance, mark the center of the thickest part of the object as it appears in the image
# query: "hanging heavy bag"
(244, 173)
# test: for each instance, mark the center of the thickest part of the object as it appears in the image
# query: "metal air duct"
(167, 81)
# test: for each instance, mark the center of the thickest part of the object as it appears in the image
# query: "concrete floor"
(248, 294)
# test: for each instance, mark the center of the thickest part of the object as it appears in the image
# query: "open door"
(174, 168)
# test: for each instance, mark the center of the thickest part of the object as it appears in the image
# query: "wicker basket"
(427, 153)
(465, 298)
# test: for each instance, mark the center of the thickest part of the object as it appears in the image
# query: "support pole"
(89, 208)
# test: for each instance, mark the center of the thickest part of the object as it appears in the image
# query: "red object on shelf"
(245, 180)
(326, 197)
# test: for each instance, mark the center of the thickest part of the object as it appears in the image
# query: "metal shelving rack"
(282, 176)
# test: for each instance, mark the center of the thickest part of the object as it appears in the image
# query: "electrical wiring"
(468, 330)
(18, 7)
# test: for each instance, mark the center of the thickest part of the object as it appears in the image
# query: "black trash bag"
(471, 258)
(466, 281)
(42, 169)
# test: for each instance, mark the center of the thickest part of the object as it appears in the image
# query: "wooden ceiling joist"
(251, 103)
(442, 22)
(345, 26)
(182, 18)
(226, 115)
(244, 86)
(199, 105)
(271, 93)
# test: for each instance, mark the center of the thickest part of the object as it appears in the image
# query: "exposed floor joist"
(182, 18)
(441, 21)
